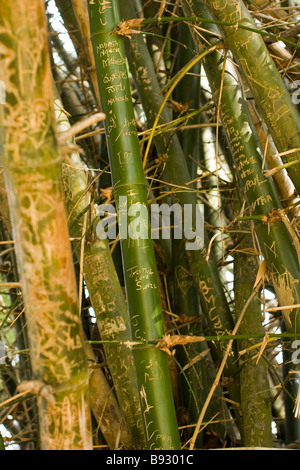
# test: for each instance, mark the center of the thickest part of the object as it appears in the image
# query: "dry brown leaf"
(260, 273)
(263, 347)
(169, 341)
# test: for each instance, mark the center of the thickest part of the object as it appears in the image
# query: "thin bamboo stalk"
(188, 95)
(82, 16)
(254, 384)
(74, 18)
(138, 254)
(32, 168)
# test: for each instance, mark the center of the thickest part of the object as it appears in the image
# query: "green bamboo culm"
(130, 192)
(32, 169)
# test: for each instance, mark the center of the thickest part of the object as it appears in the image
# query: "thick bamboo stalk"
(32, 168)
(138, 254)
(268, 89)
(104, 289)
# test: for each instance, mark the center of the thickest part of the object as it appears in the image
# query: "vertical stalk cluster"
(32, 168)
(269, 91)
(175, 172)
(274, 236)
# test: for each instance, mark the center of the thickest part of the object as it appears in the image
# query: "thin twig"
(221, 368)
(80, 126)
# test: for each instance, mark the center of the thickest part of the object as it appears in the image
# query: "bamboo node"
(161, 158)
(274, 216)
(184, 319)
(169, 341)
(227, 381)
(125, 28)
(37, 388)
(179, 107)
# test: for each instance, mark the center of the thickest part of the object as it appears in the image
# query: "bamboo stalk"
(32, 167)
(254, 384)
(138, 255)
(105, 407)
(82, 16)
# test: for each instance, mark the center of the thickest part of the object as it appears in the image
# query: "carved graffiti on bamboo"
(184, 279)
(118, 75)
(103, 6)
(234, 9)
(56, 425)
(251, 179)
(153, 435)
(51, 319)
(30, 50)
(106, 49)
(127, 128)
(112, 326)
(26, 122)
(124, 157)
(210, 301)
(143, 277)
